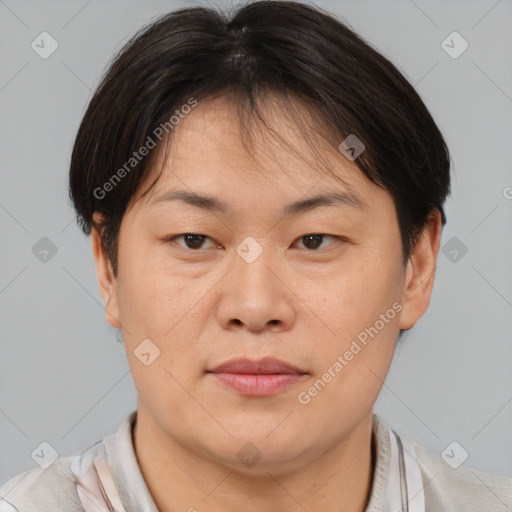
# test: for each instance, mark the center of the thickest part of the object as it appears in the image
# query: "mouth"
(262, 377)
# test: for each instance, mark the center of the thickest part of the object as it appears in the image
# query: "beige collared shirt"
(112, 461)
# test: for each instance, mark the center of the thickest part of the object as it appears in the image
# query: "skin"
(203, 306)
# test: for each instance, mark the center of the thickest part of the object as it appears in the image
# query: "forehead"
(283, 157)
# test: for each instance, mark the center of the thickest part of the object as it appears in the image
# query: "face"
(320, 289)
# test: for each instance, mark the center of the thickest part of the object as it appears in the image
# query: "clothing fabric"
(105, 477)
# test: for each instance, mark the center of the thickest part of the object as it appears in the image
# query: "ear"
(420, 272)
(107, 280)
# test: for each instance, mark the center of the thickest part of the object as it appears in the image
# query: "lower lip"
(258, 385)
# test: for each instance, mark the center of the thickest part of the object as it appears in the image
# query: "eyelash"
(173, 238)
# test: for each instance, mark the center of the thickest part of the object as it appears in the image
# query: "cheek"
(360, 307)
(353, 363)
(151, 296)
(161, 305)
(363, 290)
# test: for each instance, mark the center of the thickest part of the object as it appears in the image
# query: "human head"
(261, 102)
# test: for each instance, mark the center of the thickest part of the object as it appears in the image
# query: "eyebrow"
(213, 204)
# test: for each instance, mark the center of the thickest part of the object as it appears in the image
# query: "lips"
(265, 366)
(266, 376)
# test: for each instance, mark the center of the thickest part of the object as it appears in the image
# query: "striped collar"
(108, 478)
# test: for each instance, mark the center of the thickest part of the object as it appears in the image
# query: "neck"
(180, 479)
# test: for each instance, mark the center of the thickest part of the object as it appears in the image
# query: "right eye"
(192, 241)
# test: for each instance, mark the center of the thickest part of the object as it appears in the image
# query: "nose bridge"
(253, 264)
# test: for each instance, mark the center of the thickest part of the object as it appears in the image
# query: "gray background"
(63, 377)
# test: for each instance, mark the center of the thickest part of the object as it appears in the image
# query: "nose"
(256, 296)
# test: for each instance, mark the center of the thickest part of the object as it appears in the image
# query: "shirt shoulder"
(103, 476)
(40, 489)
(461, 487)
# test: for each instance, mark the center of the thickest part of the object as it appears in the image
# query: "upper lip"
(265, 366)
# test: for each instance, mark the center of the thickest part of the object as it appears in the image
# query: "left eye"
(314, 240)
(195, 241)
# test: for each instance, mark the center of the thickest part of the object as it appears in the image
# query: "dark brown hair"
(263, 47)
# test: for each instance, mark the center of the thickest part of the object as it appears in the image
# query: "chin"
(259, 458)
